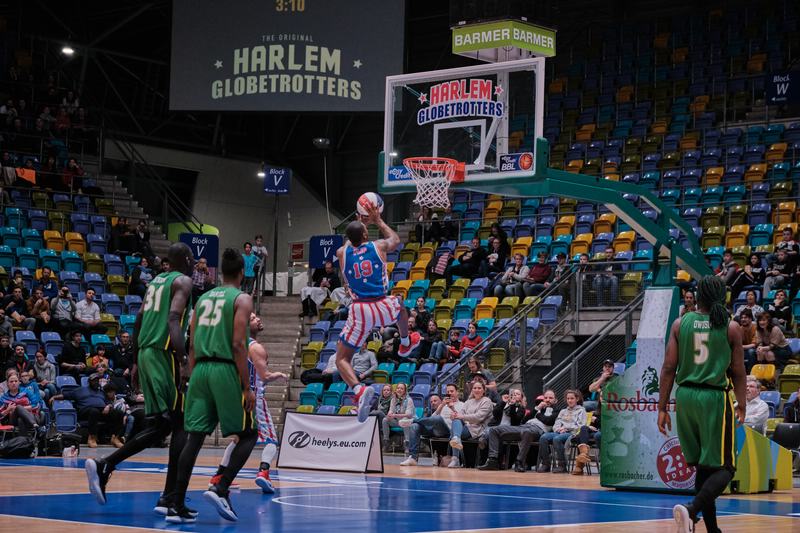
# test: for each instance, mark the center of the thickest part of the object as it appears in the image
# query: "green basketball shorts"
(705, 425)
(159, 378)
(215, 396)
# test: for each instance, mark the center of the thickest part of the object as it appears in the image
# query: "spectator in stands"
(121, 239)
(773, 348)
(20, 362)
(201, 278)
(497, 232)
(381, 410)
(468, 341)
(434, 401)
(7, 372)
(779, 273)
(476, 369)
(562, 270)
(250, 260)
(471, 420)
(606, 281)
(568, 424)
(536, 424)
(781, 311)
(469, 263)
(588, 432)
(453, 346)
(87, 315)
(342, 298)
(15, 407)
(421, 314)
(728, 269)
(510, 282)
(47, 117)
(432, 346)
(606, 374)
(428, 228)
(31, 388)
(749, 341)
(751, 304)
(401, 407)
(63, 122)
(496, 259)
(18, 281)
(6, 351)
(73, 181)
(538, 276)
(323, 281)
(72, 360)
(63, 309)
(49, 177)
(142, 235)
(791, 411)
(93, 407)
(789, 245)
(99, 360)
(40, 310)
(141, 276)
(261, 266)
(70, 103)
(16, 308)
(689, 304)
(48, 284)
(121, 356)
(6, 326)
(163, 267)
(510, 410)
(364, 364)
(757, 411)
(45, 374)
(752, 274)
(437, 425)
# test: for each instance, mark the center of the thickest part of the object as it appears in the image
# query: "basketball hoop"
(433, 176)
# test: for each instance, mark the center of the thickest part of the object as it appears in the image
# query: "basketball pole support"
(546, 181)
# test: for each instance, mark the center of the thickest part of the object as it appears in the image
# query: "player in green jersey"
(219, 386)
(705, 349)
(159, 341)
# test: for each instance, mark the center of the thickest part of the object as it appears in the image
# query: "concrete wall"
(230, 196)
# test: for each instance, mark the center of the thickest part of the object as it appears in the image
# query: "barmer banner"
(284, 55)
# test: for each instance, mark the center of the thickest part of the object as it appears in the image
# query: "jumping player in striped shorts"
(259, 377)
(363, 263)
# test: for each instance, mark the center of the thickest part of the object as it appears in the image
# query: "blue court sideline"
(370, 504)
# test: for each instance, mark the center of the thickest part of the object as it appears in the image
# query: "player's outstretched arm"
(181, 290)
(667, 379)
(391, 240)
(241, 320)
(738, 372)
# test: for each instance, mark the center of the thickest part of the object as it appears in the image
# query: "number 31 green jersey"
(154, 332)
(704, 354)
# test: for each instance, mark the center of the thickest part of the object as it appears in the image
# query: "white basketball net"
(432, 175)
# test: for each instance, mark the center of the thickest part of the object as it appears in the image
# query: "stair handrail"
(520, 317)
(570, 363)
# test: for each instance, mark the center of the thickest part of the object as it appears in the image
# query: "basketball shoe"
(263, 481)
(413, 341)
(364, 399)
(221, 503)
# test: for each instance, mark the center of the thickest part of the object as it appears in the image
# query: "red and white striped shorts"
(365, 315)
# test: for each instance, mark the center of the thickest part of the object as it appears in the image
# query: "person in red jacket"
(468, 341)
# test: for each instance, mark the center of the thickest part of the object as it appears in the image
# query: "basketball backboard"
(486, 116)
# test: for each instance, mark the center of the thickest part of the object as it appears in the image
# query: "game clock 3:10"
(290, 6)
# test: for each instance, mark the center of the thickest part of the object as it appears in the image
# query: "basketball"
(369, 198)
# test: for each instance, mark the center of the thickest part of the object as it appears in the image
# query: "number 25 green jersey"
(213, 333)
(704, 354)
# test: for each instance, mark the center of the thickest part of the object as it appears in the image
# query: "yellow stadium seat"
(623, 242)
(521, 246)
(784, 213)
(345, 409)
(563, 226)
(581, 244)
(532, 300)
(444, 309)
(713, 176)
(418, 270)
(605, 223)
(737, 235)
(75, 242)
(305, 409)
(507, 308)
(459, 288)
(629, 286)
(437, 288)
(443, 324)
(763, 372)
(54, 240)
(776, 152)
(755, 174)
(575, 166)
(389, 268)
(426, 252)
(492, 211)
(772, 423)
(683, 276)
(401, 287)
(486, 308)
(409, 252)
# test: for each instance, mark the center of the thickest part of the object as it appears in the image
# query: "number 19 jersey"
(704, 354)
(365, 271)
(154, 331)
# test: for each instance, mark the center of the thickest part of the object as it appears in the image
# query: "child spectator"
(568, 424)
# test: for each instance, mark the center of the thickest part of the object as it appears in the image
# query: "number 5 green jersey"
(213, 333)
(154, 332)
(704, 354)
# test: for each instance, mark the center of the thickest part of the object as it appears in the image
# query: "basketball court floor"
(50, 494)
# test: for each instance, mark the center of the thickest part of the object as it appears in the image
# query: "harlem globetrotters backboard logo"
(672, 467)
(460, 98)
